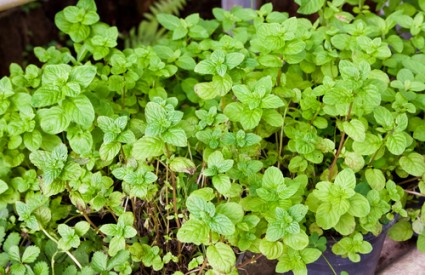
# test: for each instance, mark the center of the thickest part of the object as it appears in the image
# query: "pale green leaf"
(222, 225)
(222, 183)
(109, 150)
(375, 178)
(221, 257)
(30, 254)
(359, 206)
(346, 179)
(53, 120)
(355, 129)
(147, 147)
(414, 164)
(272, 250)
(296, 241)
(80, 110)
(396, 143)
(194, 231)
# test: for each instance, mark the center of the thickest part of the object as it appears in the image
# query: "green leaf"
(119, 259)
(197, 206)
(53, 120)
(222, 225)
(222, 183)
(109, 150)
(309, 6)
(56, 74)
(175, 136)
(83, 75)
(80, 110)
(81, 141)
(33, 140)
(194, 231)
(346, 179)
(275, 231)
(46, 96)
(250, 119)
(205, 67)
(396, 143)
(414, 164)
(346, 225)
(81, 228)
(355, 129)
(182, 165)
(326, 217)
(170, 22)
(41, 268)
(359, 206)
(272, 250)
(383, 116)
(273, 178)
(232, 210)
(272, 117)
(30, 254)
(221, 257)
(401, 231)
(99, 261)
(369, 146)
(375, 178)
(115, 245)
(234, 59)
(271, 102)
(3, 186)
(310, 255)
(147, 147)
(296, 241)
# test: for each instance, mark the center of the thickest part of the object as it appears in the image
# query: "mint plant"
(252, 131)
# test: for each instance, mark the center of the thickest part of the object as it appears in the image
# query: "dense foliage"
(250, 132)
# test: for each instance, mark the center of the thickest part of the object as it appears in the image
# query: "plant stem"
(409, 180)
(204, 264)
(281, 135)
(414, 193)
(341, 144)
(91, 223)
(67, 252)
(250, 261)
(52, 263)
(333, 270)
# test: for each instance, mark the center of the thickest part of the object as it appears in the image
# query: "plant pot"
(366, 266)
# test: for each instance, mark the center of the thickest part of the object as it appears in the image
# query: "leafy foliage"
(248, 132)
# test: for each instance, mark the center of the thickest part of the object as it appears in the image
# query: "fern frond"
(149, 29)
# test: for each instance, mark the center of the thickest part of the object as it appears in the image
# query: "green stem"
(52, 262)
(340, 146)
(333, 270)
(67, 252)
(281, 135)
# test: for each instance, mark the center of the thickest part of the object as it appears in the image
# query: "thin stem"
(91, 223)
(281, 135)
(341, 145)
(174, 187)
(204, 264)
(52, 262)
(409, 180)
(250, 261)
(333, 270)
(67, 252)
(414, 193)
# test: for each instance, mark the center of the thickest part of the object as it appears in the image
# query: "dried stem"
(414, 193)
(250, 261)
